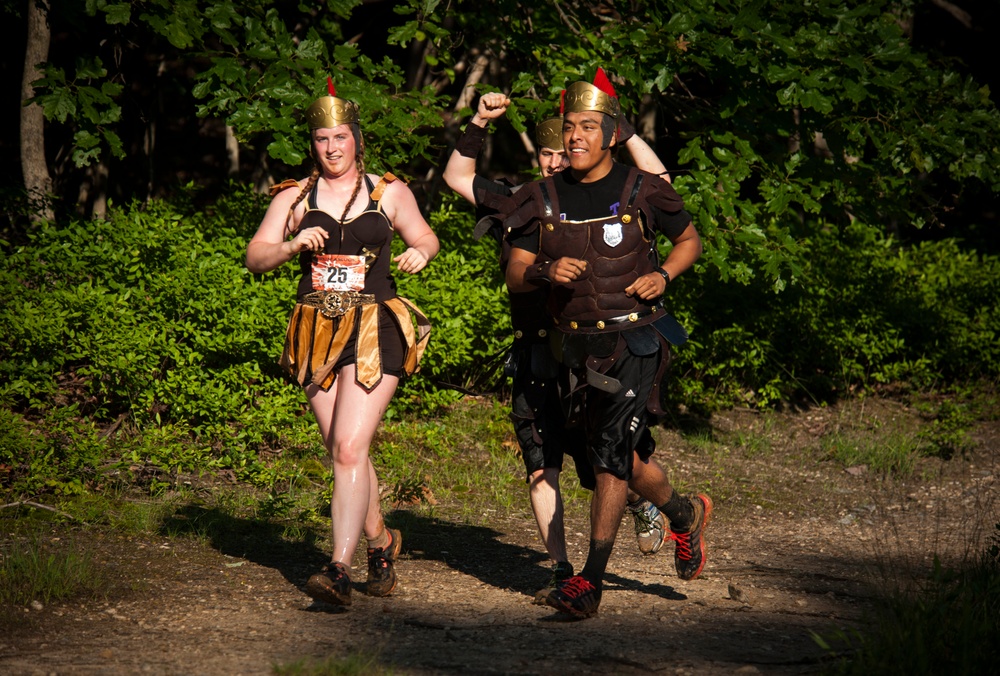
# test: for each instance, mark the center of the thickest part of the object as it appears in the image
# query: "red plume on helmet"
(602, 82)
(329, 86)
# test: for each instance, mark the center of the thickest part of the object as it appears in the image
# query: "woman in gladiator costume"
(350, 337)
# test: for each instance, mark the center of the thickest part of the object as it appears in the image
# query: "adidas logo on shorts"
(630, 393)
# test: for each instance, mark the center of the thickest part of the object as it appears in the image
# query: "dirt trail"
(778, 570)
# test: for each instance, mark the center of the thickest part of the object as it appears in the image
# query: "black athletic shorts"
(538, 417)
(615, 424)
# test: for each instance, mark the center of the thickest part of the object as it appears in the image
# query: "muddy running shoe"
(381, 572)
(562, 570)
(576, 596)
(650, 526)
(689, 558)
(331, 585)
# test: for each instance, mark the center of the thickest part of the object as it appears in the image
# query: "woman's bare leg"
(348, 417)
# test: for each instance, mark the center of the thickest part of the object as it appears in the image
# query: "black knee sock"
(680, 512)
(597, 561)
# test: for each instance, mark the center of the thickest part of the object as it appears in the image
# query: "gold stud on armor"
(600, 324)
(626, 219)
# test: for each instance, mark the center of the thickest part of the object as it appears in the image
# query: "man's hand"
(566, 270)
(648, 287)
(492, 106)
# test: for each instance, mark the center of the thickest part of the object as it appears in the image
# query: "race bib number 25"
(334, 272)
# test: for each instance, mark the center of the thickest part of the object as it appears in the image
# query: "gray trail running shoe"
(381, 571)
(650, 526)
(689, 557)
(331, 585)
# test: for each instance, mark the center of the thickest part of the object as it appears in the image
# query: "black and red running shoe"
(576, 596)
(689, 557)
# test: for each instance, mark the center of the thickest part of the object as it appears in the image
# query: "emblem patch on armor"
(612, 234)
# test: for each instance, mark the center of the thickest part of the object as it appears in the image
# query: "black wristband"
(471, 142)
(538, 273)
(663, 273)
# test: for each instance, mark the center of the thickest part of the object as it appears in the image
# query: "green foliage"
(89, 100)
(790, 116)
(61, 454)
(150, 319)
(464, 296)
(258, 65)
(948, 433)
(865, 312)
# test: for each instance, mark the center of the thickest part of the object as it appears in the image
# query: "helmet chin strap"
(608, 128)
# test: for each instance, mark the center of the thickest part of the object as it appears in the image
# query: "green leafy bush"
(865, 312)
(464, 296)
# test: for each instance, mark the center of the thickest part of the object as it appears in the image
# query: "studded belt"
(612, 321)
(334, 304)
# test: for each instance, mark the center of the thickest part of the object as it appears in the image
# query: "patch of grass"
(757, 440)
(947, 435)
(34, 570)
(889, 453)
(356, 664)
(701, 440)
(949, 625)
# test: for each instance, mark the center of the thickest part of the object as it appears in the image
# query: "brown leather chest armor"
(618, 249)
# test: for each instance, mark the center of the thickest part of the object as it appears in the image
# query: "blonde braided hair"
(310, 182)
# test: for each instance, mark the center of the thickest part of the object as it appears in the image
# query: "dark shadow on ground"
(479, 551)
(256, 540)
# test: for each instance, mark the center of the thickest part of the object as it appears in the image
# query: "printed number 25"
(336, 276)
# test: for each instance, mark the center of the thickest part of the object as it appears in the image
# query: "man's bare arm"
(460, 172)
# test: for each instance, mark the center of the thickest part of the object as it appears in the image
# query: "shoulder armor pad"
(278, 187)
(660, 194)
(387, 178)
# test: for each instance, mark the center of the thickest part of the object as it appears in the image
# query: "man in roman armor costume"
(587, 237)
(539, 421)
(350, 338)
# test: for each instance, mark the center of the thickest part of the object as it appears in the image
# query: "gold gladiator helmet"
(600, 96)
(548, 134)
(327, 112)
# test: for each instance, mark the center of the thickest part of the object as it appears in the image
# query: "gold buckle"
(333, 304)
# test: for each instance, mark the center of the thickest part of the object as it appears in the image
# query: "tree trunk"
(37, 181)
(232, 153)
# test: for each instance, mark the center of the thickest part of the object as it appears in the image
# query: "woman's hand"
(412, 260)
(310, 239)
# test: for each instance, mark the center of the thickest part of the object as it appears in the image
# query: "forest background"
(840, 161)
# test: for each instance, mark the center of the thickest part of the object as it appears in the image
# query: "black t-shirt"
(600, 199)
